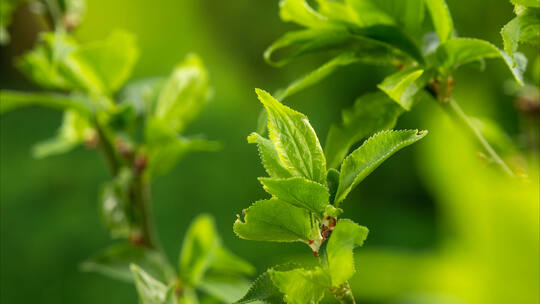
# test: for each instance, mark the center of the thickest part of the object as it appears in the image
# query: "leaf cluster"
(304, 203)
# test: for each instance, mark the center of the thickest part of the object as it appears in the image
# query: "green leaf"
(114, 262)
(7, 7)
(346, 236)
(75, 129)
(406, 14)
(371, 113)
(184, 94)
(198, 249)
(459, 51)
(403, 85)
(441, 18)
(526, 3)
(150, 290)
(298, 191)
(263, 288)
(300, 12)
(227, 263)
(114, 205)
(226, 289)
(142, 94)
(524, 28)
(269, 156)
(46, 63)
(332, 178)
(12, 100)
(110, 60)
(373, 152)
(337, 11)
(276, 221)
(295, 140)
(166, 149)
(318, 75)
(301, 285)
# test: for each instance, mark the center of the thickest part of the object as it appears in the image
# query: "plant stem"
(107, 149)
(455, 110)
(140, 198)
(343, 294)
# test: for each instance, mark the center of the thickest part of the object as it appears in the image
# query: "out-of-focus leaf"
(263, 289)
(374, 44)
(75, 129)
(150, 290)
(227, 289)
(318, 75)
(346, 236)
(227, 263)
(269, 156)
(300, 12)
(441, 18)
(184, 94)
(165, 148)
(7, 7)
(198, 249)
(373, 152)
(337, 11)
(276, 221)
(459, 51)
(110, 60)
(371, 113)
(301, 285)
(114, 204)
(495, 135)
(405, 14)
(524, 28)
(115, 260)
(295, 140)
(45, 64)
(12, 100)
(298, 191)
(526, 3)
(202, 251)
(403, 85)
(142, 94)
(73, 11)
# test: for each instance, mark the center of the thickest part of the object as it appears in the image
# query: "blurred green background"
(444, 228)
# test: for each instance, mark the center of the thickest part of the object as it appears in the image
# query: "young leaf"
(11, 100)
(142, 94)
(524, 28)
(114, 262)
(226, 289)
(526, 3)
(441, 18)
(300, 12)
(74, 130)
(198, 249)
(110, 60)
(346, 236)
(298, 191)
(184, 94)
(165, 148)
(301, 285)
(371, 113)
(374, 151)
(227, 263)
(459, 51)
(403, 85)
(150, 290)
(263, 288)
(269, 156)
(276, 221)
(295, 140)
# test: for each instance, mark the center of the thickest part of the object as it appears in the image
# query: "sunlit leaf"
(301, 285)
(441, 18)
(346, 236)
(373, 152)
(403, 85)
(263, 288)
(298, 191)
(295, 140)
(524, 28)
(12, 100)
(276, 221)
(269, 156)
(150, 290)
(300, 12)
